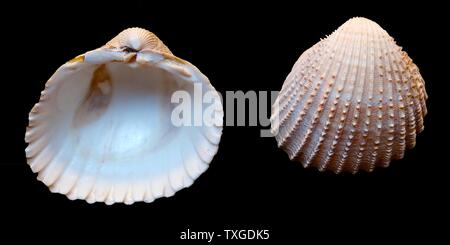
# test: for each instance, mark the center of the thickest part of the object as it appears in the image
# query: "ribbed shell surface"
(352, 102)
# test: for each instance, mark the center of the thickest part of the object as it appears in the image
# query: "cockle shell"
(102, 129)
(353, 101)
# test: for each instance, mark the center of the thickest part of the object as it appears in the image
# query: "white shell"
(353, 101)
(102, 129)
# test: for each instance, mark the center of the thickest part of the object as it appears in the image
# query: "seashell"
(102, 129)
(352, 102)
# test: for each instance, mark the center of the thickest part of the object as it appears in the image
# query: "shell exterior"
(102, 129)
(353, 101)
(138, 39)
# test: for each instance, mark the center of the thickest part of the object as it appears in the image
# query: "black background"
(251, 184)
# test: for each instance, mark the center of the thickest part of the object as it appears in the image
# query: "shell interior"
(102, 130)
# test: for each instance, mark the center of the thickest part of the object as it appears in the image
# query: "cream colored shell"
(352, 102)
(102, 130)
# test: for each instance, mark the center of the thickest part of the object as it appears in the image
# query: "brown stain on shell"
(79, 58)
(96, 100)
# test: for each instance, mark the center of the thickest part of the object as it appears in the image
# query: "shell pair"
(102, 129)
